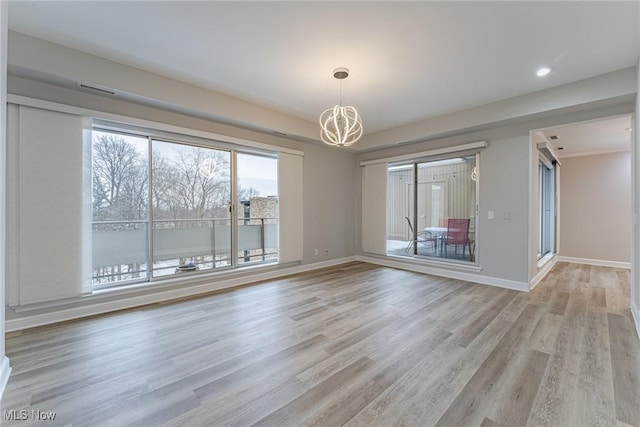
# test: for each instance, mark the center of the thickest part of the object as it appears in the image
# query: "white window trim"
(435, 152)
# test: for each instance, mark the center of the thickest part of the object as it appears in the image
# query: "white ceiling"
(408, 60)
(594, 137)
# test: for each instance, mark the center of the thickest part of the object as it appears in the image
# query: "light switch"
(490, 216)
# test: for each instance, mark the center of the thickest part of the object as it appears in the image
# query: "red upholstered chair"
(457, 235)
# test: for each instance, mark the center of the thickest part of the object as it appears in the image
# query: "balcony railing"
(121, 248)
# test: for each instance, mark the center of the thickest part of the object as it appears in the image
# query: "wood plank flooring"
(354, 345)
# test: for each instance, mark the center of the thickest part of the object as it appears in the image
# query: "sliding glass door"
(191, 198)
(163, 207)
(434, 202)
(546, 205)
(120, 211)
(257, 213)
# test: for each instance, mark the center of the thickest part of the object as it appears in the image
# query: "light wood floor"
(355, 345)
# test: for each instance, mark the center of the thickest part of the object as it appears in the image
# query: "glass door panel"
(426, 198)
(400, 233)
(257, 212)
(120, 185)
(191, 197)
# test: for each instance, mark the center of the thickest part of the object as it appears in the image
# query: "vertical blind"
(48, 229)
(290, 193)
(374, 208)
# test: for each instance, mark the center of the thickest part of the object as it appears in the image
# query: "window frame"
(414, 162)
(152, 135)
(547, 194)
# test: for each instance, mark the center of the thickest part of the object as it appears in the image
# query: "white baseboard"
(598, 262)
(470, 277)
(542, 273)
(635, 312)
(5, 371)
(105, 303)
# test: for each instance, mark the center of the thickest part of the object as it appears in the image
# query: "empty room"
(319, 213)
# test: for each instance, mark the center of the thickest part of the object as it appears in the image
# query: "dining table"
(439, 233)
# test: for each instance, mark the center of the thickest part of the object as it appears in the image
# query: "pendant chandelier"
(340, 126)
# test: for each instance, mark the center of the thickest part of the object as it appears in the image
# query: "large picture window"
(162, 207)
(431, 208)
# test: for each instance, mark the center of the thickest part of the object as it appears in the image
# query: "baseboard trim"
(542, 273)
(451, 274)
(102, 305)
(597, 262)
(5, 371)
(635, 313)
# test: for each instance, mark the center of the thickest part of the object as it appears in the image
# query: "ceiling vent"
(554, 137)
(95, 88)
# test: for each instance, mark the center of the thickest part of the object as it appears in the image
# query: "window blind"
(374, 209)
(290, 200)
(51, 220)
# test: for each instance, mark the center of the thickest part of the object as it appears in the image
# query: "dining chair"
(423, 237)
(457, 235)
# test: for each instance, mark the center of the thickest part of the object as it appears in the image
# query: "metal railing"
(122, 249)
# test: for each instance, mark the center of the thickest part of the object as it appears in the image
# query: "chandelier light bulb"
(341, 126)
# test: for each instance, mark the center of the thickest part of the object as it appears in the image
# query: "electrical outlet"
(317, 252)
(490, 215)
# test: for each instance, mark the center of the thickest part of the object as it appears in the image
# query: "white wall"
(595, 222)
(607, 89)
(4, 361)
(328, 173)
(635, 187)
(507, 245)
(332, 181)
(67, 66)
(501, 243)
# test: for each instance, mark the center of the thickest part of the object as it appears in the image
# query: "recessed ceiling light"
(543, 71)
(629, 129)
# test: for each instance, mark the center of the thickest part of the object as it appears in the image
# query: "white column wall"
(635, 189)
(5, 368)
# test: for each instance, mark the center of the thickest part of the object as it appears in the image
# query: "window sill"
(134, 290)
